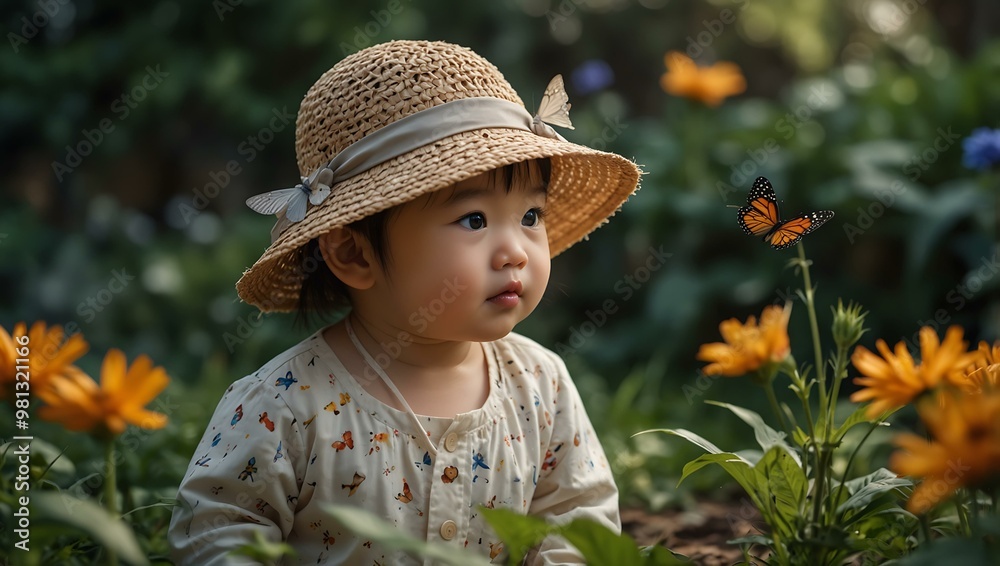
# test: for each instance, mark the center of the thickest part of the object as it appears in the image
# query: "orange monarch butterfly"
(760, 218)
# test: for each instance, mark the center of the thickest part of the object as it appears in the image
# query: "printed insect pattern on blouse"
(353, 487)
(397, 469)
(346, 444)
(268, 424)
(286, 381)
(250, 470)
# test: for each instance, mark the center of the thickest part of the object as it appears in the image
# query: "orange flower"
(893, 380)
(984, 373)
(748, 346)
(77, 402)
(709, 85)
(48, 355)
(965, 450)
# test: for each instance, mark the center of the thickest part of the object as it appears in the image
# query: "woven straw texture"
(379, 85)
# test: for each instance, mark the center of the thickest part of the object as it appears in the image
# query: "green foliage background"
(864, 103)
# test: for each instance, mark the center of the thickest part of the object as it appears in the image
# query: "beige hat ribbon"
(402, 136)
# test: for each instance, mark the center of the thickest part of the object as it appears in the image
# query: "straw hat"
(378, 86)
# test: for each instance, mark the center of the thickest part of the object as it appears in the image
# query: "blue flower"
(592, 75)
(982, 149)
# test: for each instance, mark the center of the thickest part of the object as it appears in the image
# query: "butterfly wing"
(554, 107)
(788, 233)
(319, 183)
(760, 215)
(273, 201)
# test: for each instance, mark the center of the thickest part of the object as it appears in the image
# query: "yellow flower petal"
(748, 346)
(78, 403)
(892, 379)
(709, 85)
(964, 450)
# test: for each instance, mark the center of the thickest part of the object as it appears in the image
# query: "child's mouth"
(508, 298)
(505, 300)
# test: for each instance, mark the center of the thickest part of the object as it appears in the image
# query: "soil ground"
(700, 534)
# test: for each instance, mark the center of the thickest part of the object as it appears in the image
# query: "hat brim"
(586, 187)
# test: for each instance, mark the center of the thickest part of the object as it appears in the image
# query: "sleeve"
(575, 481)
(241, 480)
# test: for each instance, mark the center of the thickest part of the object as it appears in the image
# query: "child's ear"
(349, 257)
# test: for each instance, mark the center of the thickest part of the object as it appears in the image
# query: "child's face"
(468, 262)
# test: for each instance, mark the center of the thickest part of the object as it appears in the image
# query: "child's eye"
(474, 221)
(533, 217)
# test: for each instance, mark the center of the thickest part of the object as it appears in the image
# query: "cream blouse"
(302, 432)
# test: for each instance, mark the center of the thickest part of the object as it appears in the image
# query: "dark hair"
(325, 296)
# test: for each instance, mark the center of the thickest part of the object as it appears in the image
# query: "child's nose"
(510, 253)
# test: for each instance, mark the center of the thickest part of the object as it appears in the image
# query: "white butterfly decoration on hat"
(553, 109)
(291, 204)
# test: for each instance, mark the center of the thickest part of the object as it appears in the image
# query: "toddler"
(430, 207)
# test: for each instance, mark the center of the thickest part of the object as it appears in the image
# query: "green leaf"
(856, 418)
(866, 488)
(109, 531)
(367, 525)
(597, 543)
(800, 436)
(951, 202)
(766, 436)
(736, 467)
(762, 540)
(786, 485)
(263, 550)
(519, 533)
(600, 545)
(662, 556)
(690, 437)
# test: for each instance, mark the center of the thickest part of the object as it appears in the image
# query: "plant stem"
(850, 461)
(840, 370)
(769, 388)
(803, 395)
(819, 485)
(925, 528)
(973, 512)
(963, 517)
(819, 444)
(110, 490)
(814, 326)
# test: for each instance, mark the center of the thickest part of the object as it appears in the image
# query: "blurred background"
(122, 216)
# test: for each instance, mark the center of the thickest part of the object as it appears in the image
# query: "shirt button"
(448, 529)
(451, 442)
